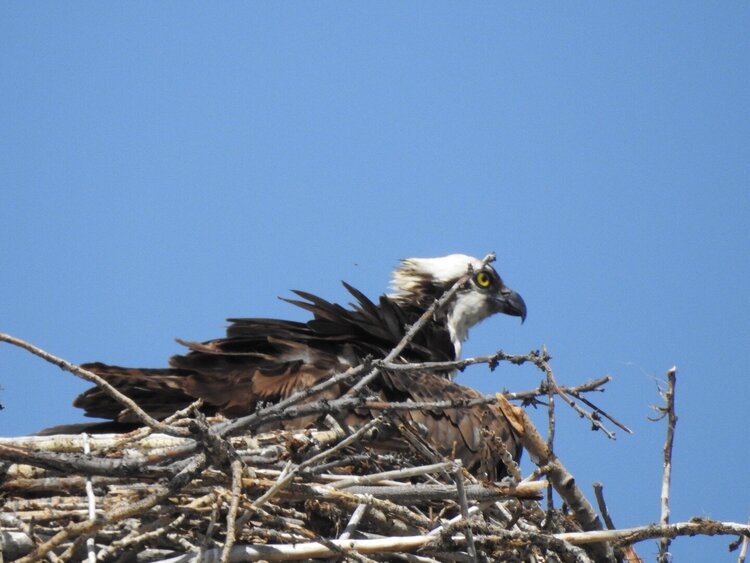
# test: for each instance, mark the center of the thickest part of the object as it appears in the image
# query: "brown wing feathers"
(263, 360)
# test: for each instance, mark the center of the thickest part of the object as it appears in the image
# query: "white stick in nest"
(90, 545)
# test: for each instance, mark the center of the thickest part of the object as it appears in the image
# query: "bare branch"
(118, 513)
(90, 547)
(743, 549)
(563, 482)
(697, 526)
(395, 474)
(599, 494)
(124, 400)
(668, 410)
(354, 521)
(257, 503)
(234, 505)
(458, 477)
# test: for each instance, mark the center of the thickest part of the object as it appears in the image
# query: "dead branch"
(354, 521)
(743, 549)
(463, 503)
(124, 400)
(119, 513)
(234, 506)
(201, 493)
(697, 526)
(560, 478)
(667, 411)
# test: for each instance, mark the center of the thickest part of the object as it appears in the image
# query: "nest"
(191, 489)
(277, 496)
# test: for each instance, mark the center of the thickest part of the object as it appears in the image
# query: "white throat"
(469, 309)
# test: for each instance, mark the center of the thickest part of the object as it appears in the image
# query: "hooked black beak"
(511, 303)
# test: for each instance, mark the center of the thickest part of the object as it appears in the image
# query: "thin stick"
(118, 513)
(458, 477)
(232, 515)
(137, 536)
(598, 411)
(704, 527)
(669, 411)
(267, 414)
(275, 552)
(142, 415)
(354, 521)
(551, 387)
(260, 501)
(599, 494)
(213, 519)
(90, 545)
(563, 482)
(542, 362)
(743, 549)
(395, 474)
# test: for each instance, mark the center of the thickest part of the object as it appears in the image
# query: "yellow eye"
(483, 279)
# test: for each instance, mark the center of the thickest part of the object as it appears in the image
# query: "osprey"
(266, 360)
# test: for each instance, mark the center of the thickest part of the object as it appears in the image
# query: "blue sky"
(168, 165)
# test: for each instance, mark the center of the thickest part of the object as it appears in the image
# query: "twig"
(275, 552)
(439, 530)
(459, 365)
(143, 434)
(257, 503)
(90, 546)
(563, 482)
(73, 442)
(565, 551)
(697, 526)
(213, 519)
(124, 400)
(599, 494)
(74, 547)
(511, 465)
(597, 410)
(66, 462)
(542, 362)
(743, 549)
(312, 550)
(234, 505)
(395, 474)
(136, 537)
(354, 521)
(667, 411)
(424, 492)
(551, 389)
(458, 477)
(274, 412)
(118, 513)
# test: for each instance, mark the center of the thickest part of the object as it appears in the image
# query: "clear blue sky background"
(167, 165)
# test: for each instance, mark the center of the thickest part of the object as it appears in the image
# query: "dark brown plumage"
(266, 360)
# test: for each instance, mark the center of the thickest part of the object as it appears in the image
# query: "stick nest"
(280, 495)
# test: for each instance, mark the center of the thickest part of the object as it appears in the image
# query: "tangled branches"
(212, 490)
(191, 489)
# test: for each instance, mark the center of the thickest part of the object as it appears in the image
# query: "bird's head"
(422, 280)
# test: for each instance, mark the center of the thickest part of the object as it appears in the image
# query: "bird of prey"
(262, 361)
